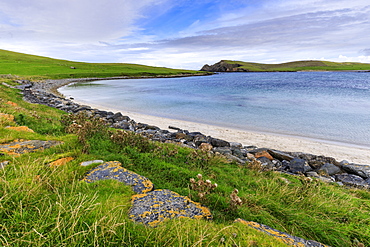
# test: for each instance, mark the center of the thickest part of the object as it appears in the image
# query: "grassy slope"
(302, 66)
(43, 206)
(42, 67)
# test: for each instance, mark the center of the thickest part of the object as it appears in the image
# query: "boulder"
(360, 170)
(114, 170)
(222, 150)
(219, 143)
(281, 236)
(329, 169)
(352, 180)
(280, 155)
(157, 206)
(298, 166)
(263, 153)
(199, 139)
(90, 162)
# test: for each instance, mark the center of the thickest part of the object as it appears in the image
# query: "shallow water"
(331, 106)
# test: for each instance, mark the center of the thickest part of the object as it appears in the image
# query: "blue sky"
(187, 34)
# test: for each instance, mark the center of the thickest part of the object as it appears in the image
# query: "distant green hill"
(310, 65)
(13, 63)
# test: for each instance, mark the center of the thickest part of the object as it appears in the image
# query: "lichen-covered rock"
(282, 236)
(60, 162)
(114, 170)
(20, 128)
(8, 117)
(159, 205)
(20, 146)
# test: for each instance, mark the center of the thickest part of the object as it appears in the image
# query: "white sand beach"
(339, 151)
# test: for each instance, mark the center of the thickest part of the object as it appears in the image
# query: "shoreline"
(340, 151)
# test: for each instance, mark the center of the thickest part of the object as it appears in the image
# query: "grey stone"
(222, 150)
(280, 155)
(352, 180)
(90, 162)
(299, 166)
(330, 169)
(360, 170)
(199, 139)
(312, 174)
(219, 143)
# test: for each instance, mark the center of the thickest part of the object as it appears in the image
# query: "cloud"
(182, 34)
(70, 20)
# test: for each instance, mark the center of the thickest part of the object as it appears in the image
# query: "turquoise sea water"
(331, 106)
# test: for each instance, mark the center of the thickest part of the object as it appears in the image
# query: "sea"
(331, 106)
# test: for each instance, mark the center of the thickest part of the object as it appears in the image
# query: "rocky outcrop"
(19, 146)
(223, 66)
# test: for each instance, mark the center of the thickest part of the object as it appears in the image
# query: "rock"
(114, 170)
(222, 150)
(329, 169)
(4, 163)
(20, 128)
(122, 125)
(205, 147)
(298, 166)
(60, 162)
(219, 143)
(20, 146)
(312, 174)
(263, 153)
(314, 161)
(236, 145)
(199, 139)
(8, 117)
(232, 158)
(266, 163)
(282, 236)
(280, 155)
(87, 163)
(360, 170)
(326, 179)
(159, 205)
(352, 180)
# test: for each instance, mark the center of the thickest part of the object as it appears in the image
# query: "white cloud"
(71, 20)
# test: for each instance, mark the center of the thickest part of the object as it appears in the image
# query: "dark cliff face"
(223, 66)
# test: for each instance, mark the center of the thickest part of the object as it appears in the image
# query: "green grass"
(311, 65)
(36, 67)
(45, 206)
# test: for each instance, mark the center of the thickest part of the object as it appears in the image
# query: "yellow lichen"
(60, 162)
(20, 128)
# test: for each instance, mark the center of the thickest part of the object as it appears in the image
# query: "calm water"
(322, 105)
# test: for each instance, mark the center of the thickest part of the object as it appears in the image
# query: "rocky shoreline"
(324, 168)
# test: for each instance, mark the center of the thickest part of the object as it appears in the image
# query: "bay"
(332, 106)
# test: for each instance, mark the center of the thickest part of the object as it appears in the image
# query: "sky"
(188, 34)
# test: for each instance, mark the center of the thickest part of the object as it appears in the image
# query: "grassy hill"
(310, 65)
(13, 63)
(44, 205)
